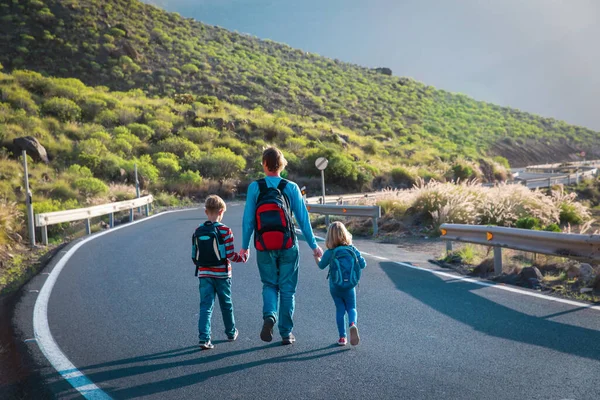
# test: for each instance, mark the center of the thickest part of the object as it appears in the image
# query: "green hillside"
(126, 44)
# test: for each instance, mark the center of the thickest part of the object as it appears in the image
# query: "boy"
(212, 253)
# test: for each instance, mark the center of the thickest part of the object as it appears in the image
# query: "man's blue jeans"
(279, 275)
(345, 302)
(209, 287)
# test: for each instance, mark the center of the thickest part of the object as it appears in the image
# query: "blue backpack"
(344, 269)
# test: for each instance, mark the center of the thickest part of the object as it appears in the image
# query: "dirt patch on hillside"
(524, 152)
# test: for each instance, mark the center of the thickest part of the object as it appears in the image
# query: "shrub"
(63, 109)
(402, 176)
(90, 187)
(502, 161)
(11, 222)
(190, 178)
(79, 171)
(221, 163)
(553, 228)
(166, 199)
(107, 118)
(462, 172)
(201, 135)
(569, 214)
(177, 145)
(146, 168)
(62, 191)
(529, 223)
(162, 129)
(90, 152)
(167, 166)
(144, 132)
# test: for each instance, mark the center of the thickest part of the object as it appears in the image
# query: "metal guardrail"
(550, 243)
(373, 212)
(566, 179)
(43, 220)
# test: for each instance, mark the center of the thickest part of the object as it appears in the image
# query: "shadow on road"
(492, 318)
(129, 367)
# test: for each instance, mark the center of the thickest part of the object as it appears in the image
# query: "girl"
(345, 263)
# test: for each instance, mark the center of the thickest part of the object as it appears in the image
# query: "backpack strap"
(262, 185)
(282, 184)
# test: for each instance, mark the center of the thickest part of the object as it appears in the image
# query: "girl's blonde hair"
(338, 235)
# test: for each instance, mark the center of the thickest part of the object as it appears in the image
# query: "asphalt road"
(124, 311)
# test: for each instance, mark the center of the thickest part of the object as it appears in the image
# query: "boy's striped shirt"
(224, 271)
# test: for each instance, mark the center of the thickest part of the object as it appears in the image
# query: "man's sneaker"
(342, 341)
(232, 338)
(354, 338)
(266, 334)
(289, 340)
(207, 345)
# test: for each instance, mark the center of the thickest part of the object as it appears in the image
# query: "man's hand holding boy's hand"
(245, 254)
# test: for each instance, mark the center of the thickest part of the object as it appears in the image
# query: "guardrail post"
(88, 227)
(45, 235)
(448, 247)
(549, 182)
(28, 202)
(375, 227)
(111, 220)
(131, 215)
(577, 177)
(497, 260)
(147, 210)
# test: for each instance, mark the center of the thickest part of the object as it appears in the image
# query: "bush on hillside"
(90, 187)
(63, 109)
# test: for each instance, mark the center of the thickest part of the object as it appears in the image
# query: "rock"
(573, 272)
(586, 273)
(384, 71)
(528, 273)
(33, 148)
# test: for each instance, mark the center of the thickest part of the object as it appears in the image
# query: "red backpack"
(274, 228)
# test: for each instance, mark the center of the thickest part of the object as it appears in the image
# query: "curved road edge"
(41, 329)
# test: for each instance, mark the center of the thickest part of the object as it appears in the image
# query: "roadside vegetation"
(105, 86)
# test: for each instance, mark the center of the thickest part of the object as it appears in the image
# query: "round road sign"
(321, 163)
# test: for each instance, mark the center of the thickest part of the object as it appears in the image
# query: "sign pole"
(321, 163)
(28, 202)
(137, 185)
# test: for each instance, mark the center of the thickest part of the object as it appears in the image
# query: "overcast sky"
(541, 56)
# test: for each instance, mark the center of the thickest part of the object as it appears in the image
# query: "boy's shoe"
(342, 341)
(266, 334)
(354, 338)
(288, 340)
(232, 338)
(207, 345)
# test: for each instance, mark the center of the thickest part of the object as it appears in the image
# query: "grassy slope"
(126, 44)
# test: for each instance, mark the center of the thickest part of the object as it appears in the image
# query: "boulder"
(384, 71)
(573, 271)
(528, 273)
(586, 273)
(33, 148)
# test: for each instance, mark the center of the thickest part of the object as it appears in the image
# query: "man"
(276, 242)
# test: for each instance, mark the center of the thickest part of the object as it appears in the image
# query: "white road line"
(41, 328)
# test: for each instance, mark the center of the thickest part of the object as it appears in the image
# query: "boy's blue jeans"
(209, 287)
(279, 275)
(345, 302)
